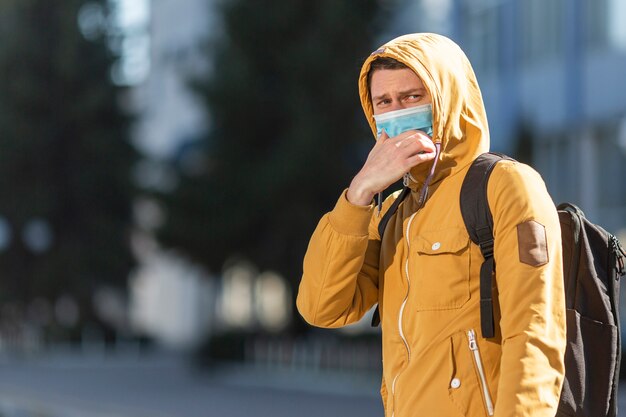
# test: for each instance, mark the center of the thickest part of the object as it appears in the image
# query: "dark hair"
(383, 63)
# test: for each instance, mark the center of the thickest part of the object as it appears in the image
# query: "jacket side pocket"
(465, 387)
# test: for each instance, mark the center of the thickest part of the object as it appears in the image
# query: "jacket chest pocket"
(440, 269)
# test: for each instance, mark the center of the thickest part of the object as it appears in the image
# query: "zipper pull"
(405, 180)
(472, 340)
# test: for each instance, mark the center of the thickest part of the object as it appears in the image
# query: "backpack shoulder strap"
(382, 225)
(479, 224)
(392, 210)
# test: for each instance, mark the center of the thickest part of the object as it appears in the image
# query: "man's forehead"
(385, 80)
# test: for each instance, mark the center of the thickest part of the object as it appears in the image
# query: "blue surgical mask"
(412, 118)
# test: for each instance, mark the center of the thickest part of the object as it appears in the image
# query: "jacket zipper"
(406, 298)
(471, 336)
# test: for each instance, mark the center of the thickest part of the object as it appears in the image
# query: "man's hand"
(387, 162)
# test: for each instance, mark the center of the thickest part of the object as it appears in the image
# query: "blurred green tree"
(65, 157)
(286, 131)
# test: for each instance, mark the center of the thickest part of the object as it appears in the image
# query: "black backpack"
(593, 262)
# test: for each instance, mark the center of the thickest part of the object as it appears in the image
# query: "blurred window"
(596, 23)
(481, 25)
(560, 167)
(587, 170)
(611, 157)
(542, 30)
(616, 16)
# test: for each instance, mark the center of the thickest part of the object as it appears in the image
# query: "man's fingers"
(415, 146)
(382, 137)
(402, 139)
(418, 137)
(420, 158)
(427, 145)
(425, 151)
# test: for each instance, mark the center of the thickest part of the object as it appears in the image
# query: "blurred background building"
(552, 75)
(164, 163)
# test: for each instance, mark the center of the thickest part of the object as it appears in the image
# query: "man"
(425, 273)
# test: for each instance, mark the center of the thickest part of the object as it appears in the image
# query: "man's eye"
(414, 97)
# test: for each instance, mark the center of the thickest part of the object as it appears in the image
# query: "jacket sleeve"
(340, 274)
(529, 278)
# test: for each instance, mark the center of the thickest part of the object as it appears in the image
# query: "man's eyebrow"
(413, 91)
(380, 97)
(402, 93)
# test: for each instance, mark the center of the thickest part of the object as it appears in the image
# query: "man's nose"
(397, 105)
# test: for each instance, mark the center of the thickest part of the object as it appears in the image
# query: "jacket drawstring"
(424, 191)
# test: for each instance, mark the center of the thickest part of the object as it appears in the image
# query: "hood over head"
(459, 117)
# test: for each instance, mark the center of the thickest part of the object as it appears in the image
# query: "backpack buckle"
(620, 255)
(486, 248)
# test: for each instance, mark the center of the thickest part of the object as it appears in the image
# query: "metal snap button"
(455, 383)
(436, 245)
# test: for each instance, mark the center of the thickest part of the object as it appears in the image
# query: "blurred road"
(65, 385)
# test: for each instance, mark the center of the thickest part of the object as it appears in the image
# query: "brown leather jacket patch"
(531, 239)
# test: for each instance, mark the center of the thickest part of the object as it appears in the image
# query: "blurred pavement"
(159, 385)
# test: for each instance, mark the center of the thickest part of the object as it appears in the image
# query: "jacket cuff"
(350, 219)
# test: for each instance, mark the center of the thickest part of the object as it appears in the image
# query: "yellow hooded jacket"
(425, 272)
